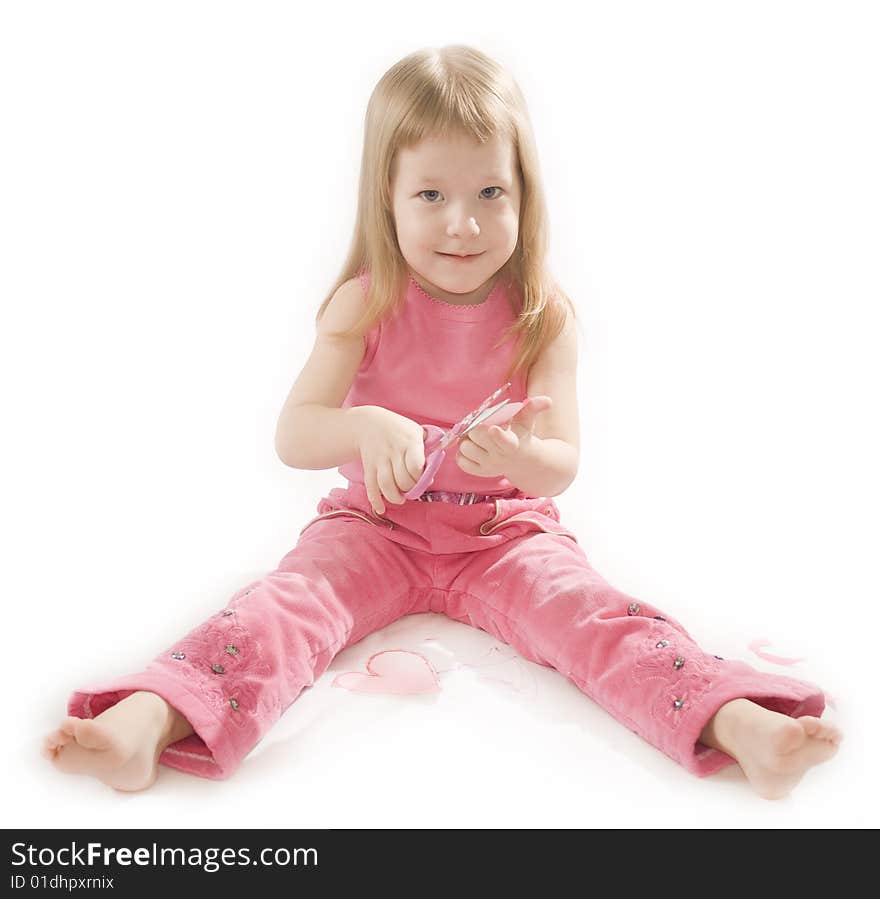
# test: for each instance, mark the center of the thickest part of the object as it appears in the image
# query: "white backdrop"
(177, 190)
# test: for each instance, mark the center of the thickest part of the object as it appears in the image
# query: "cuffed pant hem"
(211, 751)
(775, 692)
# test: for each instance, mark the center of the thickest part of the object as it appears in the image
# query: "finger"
(387, 484)
(373, 494)
(472, 450)
(465, 464)
(402, 478)
(535, 404)
(480, 436)
(533, 407)
(505, 440)
(414, 459)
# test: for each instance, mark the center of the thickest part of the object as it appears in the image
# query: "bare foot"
(773, 750)
(121, 747)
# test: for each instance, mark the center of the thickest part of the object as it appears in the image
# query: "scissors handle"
(435, 452)
(434, 457)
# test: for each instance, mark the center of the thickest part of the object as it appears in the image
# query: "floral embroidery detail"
(677, 696)
(651, 664)
(671, 690)
(245, 672)
(252, 701)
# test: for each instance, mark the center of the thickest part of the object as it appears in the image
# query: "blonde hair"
(455, 89)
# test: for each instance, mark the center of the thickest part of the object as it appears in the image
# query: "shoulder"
(344, 310)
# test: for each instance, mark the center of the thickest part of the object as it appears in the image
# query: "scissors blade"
(468, 421)
(486, 413)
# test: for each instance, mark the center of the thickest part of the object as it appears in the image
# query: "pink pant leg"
(234, 675)
(539, 594)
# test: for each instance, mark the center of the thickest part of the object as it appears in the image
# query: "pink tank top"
(433, 363)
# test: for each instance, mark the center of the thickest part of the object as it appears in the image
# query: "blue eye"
(482, 191)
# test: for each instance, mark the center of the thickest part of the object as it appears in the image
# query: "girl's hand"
(488, 450)
(392, 452)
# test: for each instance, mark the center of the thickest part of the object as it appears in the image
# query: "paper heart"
(395, 671)
(757, 647)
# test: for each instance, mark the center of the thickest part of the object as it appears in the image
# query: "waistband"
(462, 499)
(447, 527)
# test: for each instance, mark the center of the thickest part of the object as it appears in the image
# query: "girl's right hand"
(392, 452)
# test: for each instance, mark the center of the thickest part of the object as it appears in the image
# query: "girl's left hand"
(488, 450)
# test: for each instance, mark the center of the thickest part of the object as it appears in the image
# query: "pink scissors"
(437, 440)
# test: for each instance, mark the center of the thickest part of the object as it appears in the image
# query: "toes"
(831, 734)
(820, 730)
(811, 725)
(90, 735)
(53, 741)
(104, 747)
(68, 726)
(48, 748)
(821, 751)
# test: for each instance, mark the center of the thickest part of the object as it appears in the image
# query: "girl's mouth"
(455, 258)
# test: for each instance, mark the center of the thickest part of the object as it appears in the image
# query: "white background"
(178, 191)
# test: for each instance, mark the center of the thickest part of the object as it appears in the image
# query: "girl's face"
(453, 197)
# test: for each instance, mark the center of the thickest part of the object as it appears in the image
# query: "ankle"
(725, 725)
(172, 725)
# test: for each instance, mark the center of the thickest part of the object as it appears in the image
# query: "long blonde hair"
(455, 89)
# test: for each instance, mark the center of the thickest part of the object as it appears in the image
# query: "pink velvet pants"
(504, 565)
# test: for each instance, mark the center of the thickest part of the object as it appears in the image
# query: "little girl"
(445, 296)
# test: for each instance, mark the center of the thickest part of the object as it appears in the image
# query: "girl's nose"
(459, 227)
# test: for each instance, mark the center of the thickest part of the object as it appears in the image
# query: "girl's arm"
(313, 432)
(539, 453)
(550, 460)
(554, 374)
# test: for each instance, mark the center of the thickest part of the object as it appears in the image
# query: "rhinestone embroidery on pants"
(226, 665)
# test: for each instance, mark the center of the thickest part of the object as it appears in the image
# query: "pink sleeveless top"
(433, 363)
